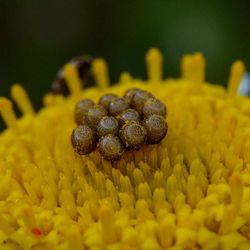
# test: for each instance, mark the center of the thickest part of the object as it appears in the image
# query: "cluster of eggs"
(117, 124)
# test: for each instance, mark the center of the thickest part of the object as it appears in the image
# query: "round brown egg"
(156, 127)
(133, 135)
(107, 125)
(81, 109)
(110, 147)
(118, 105)
(94, 115)
(83, 139)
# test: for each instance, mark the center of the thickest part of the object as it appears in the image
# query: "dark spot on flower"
(36, 231)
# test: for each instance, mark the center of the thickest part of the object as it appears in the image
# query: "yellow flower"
(192, 191)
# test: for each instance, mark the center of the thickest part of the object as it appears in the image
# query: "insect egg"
(133, 135)
(118, 105)
(110, 147)
(139, 99)
(81, 109)
(128, 115)
(107, 125)
(106, 99)
(129, 94)
(83, 139)
(156, 127)
(94, 115)
(154, 106)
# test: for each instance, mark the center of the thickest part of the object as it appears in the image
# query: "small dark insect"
(139, 99)
(94, 115)
(106, 99)
(117, 106)
(81, 109)
(110, 147)
(83, 139)
(133, 135)
(59, 85)
(107, 125)
(154, 107)
(82, 63)
(128, 115)
(156, 127)
(129, 94)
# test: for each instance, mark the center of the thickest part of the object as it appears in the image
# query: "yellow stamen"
(228, 219)
(185, 65)
(199, 65)
(165, 231)
(236, 74)
(5, 226)
(51, 99)
(22, 99)
(8, 114)
(107, 222)
(100, 71)
(194, 192)
(125, 77)
(27, 216)
(154, 61)
(193, 67)
(74, 236)
(72, 79)
(236, 190)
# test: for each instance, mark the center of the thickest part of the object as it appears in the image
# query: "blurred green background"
(38, 37)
